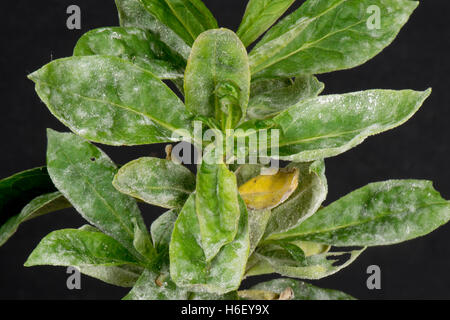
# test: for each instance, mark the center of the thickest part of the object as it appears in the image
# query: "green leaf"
(188, 265)
(19, 189)
(217, 206)
(38, 206)
(304, 202)
(269, 97)
(259, 16)
(123, 276)
(301, 290)
(328, 35)
(326, 126)
(84, 175)
(78, 248)
(288, 260)
(162, 228)
(111, 101)
(156, 181)
(132, 13)
(378, 214)
(257, 219)
(187, 18)
(156, 286)
(217, 78)
(257, 222)
(135, 45)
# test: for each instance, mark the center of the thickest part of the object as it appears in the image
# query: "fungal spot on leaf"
(267, 192)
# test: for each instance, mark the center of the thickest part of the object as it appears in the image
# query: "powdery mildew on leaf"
(328, 35)
(378, 214)
(156, 181)
(302, 290)
(109, 100)
(132, 13)
(326, 126)
(188, 265)
(135, 45)
(84, 175)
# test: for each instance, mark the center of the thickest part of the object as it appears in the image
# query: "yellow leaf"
(269, 191)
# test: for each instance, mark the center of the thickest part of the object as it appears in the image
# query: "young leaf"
(329, 35)
(301, 290)
(304, 202)
(378, 214)
(156, 181)
(217, 78)
(187, 18)
(135, 45)
(217, 206)
(326, 126)
(84, 175)
(188, 265)
(259, 16)
(38, 206)
(78, 248)
(156, 286)
(284, 260)
(111, 101)
(269, 97)
(132, 13)
(268, 191)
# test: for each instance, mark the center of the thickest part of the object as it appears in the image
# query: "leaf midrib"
(361, 222)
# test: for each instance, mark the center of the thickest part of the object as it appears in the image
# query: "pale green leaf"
(132, 13)
(78, 248)
(257, 222)
(326, 126)
(269, 97)
(156, 286)
(135, 45)
(304, 202)
(123, 276)
(161, 230)
(284, 260)
(156, 181)
(109, 100)
(188, 265)
(259, 16)
(187, 18)
(378, 214)
(84, 175)
(328, 35)
(217, 78)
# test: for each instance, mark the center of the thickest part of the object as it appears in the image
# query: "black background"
(34, 32)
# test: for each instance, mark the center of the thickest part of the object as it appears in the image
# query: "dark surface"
(34, 32)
